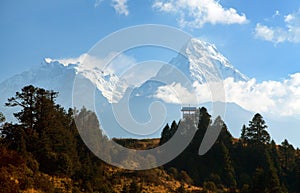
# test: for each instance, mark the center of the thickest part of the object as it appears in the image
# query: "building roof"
(188, 109)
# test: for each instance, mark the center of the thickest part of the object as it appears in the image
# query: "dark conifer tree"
(229, 173)
(272, 178)
(173, 128)
(259, 184)
(2, 118)
(287, 153)
(44, 128)
(256, 132)
(243, 134)
(204, 122)
(165, 135)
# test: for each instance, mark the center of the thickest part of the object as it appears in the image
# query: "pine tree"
(297, 173)
(259, 181)
(272, 177)
(229, 173)
(173, 128)
(275, 157)
(225, 136)
(204, 122)
(204, 118)
(243, 134)
(287, 153)
(2, 118)
(44, 130)
(14, 137)
(256, 132)
(32, 100)
(165, 135)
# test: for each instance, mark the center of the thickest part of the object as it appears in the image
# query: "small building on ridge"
(188, 112)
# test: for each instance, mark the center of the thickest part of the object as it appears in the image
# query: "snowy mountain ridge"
(204, 56)
(108, 83)
(201, 61)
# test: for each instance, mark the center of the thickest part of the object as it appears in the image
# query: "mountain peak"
(202, 62)
(205, 59)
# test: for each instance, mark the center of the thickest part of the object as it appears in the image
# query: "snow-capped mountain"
(199, 62)
(203, 57)
(202, 61)
(105, 80)
(51, 76)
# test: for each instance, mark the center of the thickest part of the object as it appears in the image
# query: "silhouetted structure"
(188, 112)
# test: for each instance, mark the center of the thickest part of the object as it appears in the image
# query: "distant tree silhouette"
(256, 131)
(243, 134)
(229, 173)
(2, 118)
(287, 159)
(165, 135)
(259, 181)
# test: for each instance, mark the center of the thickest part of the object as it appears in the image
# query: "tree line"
(45, 143)
(252, 163)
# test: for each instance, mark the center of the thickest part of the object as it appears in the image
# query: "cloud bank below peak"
(280, 98)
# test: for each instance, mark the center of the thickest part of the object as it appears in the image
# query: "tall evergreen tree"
(297, 172)
(287, 153)
(2, 118)
(32, 100)
(204, 118)
(44, 129)
(225, 136)
(229, 173)
(256, 131)
(165, 135)
(259, 184)
(204, 122)
(272, 177)
(243, 134)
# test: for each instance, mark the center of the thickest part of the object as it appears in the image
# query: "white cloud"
(67, 61)
(289, 33)
(139, 73)
(97, 3)
(264, 32)
(176, 93)
(196, 13)
(120, 6)
(277, 13)
(269, 97)
(289, 18)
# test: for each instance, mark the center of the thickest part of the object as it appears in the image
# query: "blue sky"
(32, 30)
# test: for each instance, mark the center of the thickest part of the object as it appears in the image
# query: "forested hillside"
(43, 152)
(252, 163)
